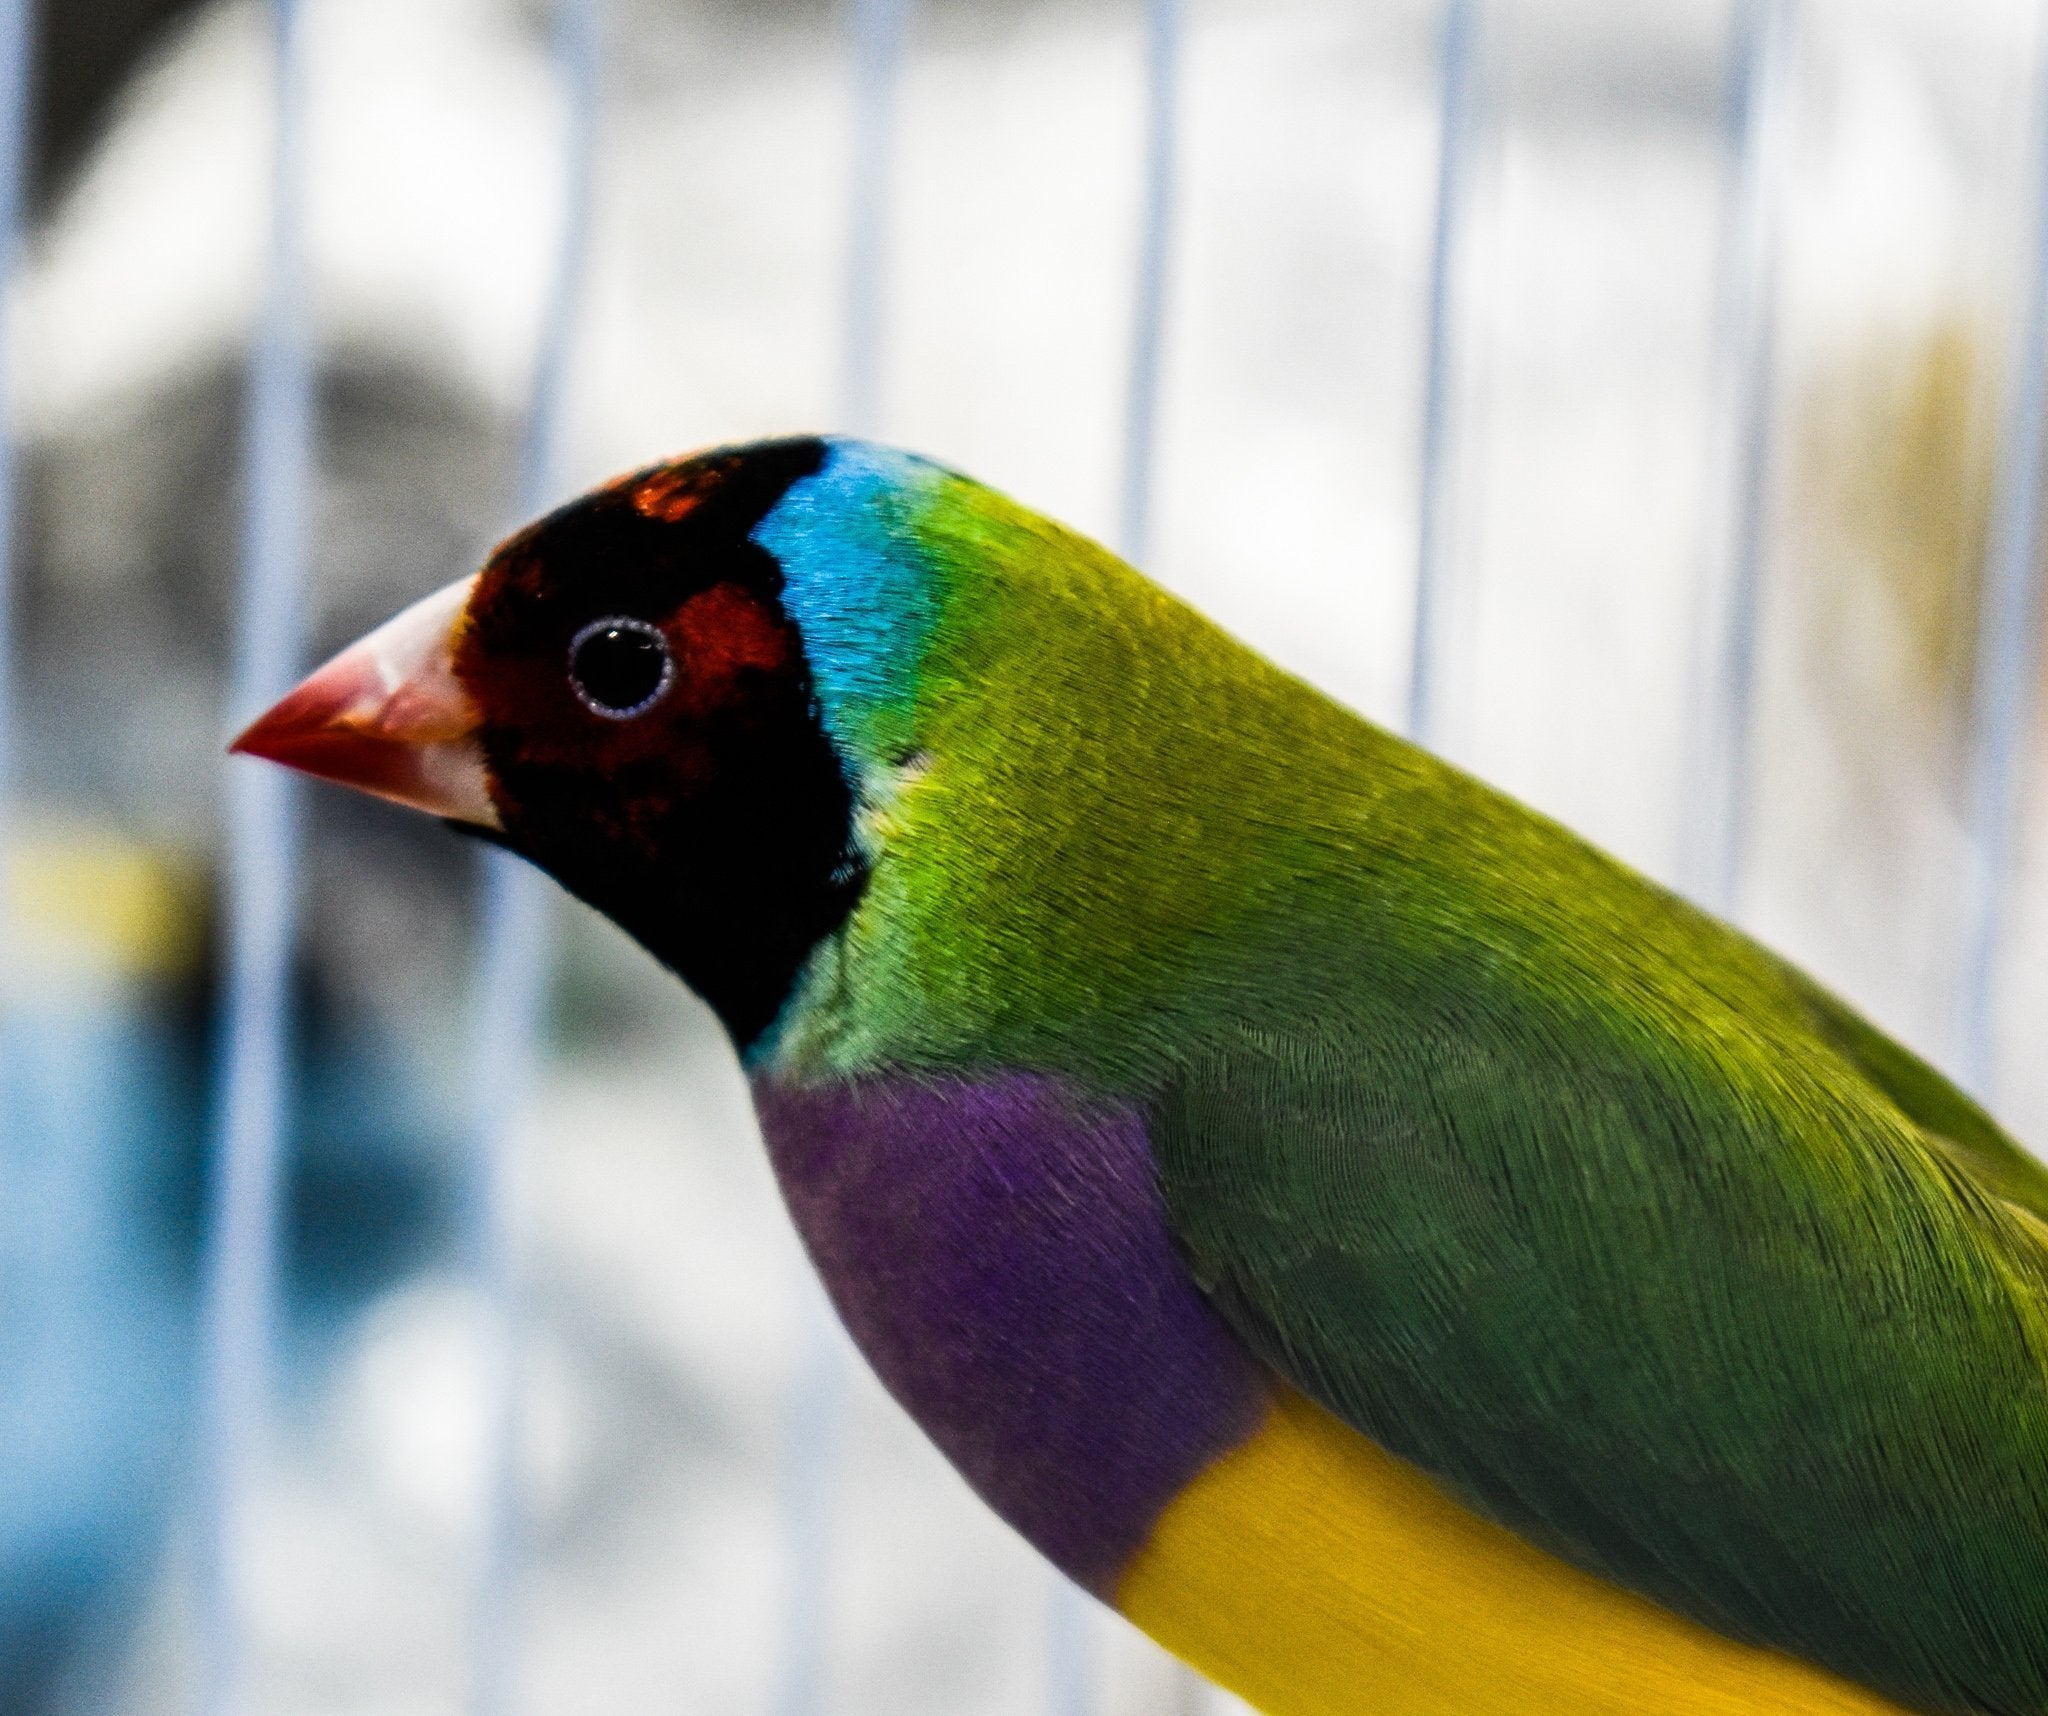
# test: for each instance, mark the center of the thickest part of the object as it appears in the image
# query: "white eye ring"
(621, 623)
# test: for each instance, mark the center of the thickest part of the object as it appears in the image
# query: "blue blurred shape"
(95, 1329)
(107, 1014)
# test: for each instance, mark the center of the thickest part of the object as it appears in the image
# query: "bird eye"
(620, 667)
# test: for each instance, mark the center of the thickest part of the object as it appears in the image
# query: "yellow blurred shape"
(1906, 437)
(92, 901)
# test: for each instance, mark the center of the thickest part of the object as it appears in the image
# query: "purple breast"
(998, 1249)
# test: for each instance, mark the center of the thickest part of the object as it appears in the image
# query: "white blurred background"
(664, 1294)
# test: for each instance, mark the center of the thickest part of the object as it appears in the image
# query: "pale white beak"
(388, 716)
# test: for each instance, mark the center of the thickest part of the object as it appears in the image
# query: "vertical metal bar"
(2008, 621)
(877, 29)
(1718, 796)
(15, 19)
(815, 1413)
(1071, 1657)
(1459, 58)
(512, 968)
(1141, 410)
(262, 861)
(1192, 1694)
(578, 53)
(509, 993)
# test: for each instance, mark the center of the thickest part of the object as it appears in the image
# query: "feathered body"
(1406, 1260)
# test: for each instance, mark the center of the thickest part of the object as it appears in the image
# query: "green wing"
(1923, 1096)
(1733, 1307)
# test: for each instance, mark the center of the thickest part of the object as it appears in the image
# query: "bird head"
(862, 750)
(625, 695)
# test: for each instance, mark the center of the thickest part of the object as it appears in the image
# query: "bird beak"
(389, 716)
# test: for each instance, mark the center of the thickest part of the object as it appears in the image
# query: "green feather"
(1631, 1235)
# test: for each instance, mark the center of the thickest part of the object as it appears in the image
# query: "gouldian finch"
(1401, 1258)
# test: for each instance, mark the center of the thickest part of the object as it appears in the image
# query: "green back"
(1631, 1235)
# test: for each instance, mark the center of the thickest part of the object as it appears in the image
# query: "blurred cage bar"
(2010, 613)
(14, 97)
(244, 1218)
(1455, 118)
(262, 815)
(1746, 313)
(511, 971)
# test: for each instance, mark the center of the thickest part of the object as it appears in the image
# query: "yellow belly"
(1314, 1574)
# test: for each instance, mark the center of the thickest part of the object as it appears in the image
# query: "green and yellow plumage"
(1625, 1232)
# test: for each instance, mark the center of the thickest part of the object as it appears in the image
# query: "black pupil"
(619, 667)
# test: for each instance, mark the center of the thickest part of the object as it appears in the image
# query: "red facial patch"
(721, 633)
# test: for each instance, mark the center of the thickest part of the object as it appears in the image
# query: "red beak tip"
(261, 739)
